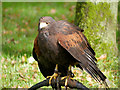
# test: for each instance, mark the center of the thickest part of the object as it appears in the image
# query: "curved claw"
(55, 75)
(69, 76)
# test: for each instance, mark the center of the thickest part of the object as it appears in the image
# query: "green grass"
(20, 22)
(19, 73)
(19, 26)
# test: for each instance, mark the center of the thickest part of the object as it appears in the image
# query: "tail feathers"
(96, 74)
(109, 84)
(106, 85)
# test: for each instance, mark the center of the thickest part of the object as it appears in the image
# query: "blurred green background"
(19, 29)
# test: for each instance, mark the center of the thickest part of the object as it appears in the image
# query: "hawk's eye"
(47, 23)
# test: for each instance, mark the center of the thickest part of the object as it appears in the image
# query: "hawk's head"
(45, 22)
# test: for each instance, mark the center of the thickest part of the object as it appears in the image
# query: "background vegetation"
(19, 27)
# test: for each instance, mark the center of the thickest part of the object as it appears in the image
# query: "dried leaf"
(24, 58)
(90, 84)
(7, 32)
(0, 76)
(25, 70)
(63, 17)
(22, 76)
(34, 80)
(16, 42)
(13, 62)
(26, 23)
(11, 40)
(4, 75)
(35, 70)
(89, 78)
(6, 10)
(2, 60)
(30, 59)
(26, 86)
(5, 66)
(35, 74)
(78, 72)
(28, 77)
(72, 8)
(23, 30)
(22, 79)
(53, 11)
(104, 56)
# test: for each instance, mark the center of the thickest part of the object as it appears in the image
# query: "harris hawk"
(61, 44)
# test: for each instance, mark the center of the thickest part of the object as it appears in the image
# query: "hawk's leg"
(54, 76)
(70, 75)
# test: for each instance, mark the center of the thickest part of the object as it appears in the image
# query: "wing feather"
(77, 45)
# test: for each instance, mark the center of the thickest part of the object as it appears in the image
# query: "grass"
(19, 26)
(20, 22)
(19, 73)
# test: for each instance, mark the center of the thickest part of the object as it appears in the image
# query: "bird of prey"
(61, 44)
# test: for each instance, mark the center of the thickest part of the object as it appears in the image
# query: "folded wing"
(77, 45)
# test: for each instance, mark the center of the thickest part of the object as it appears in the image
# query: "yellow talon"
(55, 75)
(66, 81)
(68, 76)
(63, 77)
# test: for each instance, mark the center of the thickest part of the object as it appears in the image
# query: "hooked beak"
(43, 25)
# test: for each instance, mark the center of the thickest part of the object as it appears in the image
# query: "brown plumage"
(62, 43)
